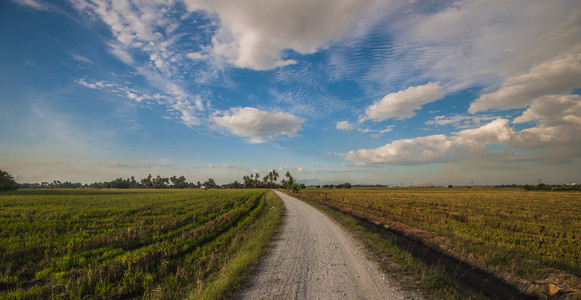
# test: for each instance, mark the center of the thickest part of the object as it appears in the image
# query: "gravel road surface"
(313, 258)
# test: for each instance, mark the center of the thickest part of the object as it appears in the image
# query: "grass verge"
(245, 251)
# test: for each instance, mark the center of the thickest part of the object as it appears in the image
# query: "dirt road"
(313, 258)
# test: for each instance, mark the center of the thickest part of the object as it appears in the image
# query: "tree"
(147, 182)
(296, 187)
(178, 182)
(289, 182)
(7, 182)
(210, 184)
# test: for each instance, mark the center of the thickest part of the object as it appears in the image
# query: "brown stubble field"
(529, 236)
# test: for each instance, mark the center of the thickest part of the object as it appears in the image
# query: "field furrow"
(119, 244)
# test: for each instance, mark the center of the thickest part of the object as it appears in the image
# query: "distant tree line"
(549, 187)
(270, 180)
(148, 182)
(345, 185)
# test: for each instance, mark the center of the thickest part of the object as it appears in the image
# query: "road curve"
(313, 258)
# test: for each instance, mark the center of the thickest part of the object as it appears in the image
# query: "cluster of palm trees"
(268, 181)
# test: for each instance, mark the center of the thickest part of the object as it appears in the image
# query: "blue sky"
(379, 92)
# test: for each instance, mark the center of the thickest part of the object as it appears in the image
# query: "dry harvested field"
(525, 236)
(131, 243)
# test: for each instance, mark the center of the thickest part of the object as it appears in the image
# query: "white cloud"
(555, 138)
(459, 121)
(196, 55)
(119, 90)
(121, 52)
(561, 40)
(553, 111)
(344, 125)
(461, 44)
(254, 33)
(187, 111)
(470, 41)
(435, 148)
(401, 105)
(146, 29)
(34, 4)
(560, 123)
(557, 76)
(82, 59)
(387, 129)
(257, 125)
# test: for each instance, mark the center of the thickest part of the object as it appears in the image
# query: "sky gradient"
(376, 92)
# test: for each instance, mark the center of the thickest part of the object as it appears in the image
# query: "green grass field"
(132, 243)
(534, 235)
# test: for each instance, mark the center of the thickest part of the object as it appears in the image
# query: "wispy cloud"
(145, 38)
(459, 121)
(40, 5)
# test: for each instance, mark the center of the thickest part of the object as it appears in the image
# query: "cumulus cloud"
(254, 33)
(559, 119)
(257, 125)
(553, 111)
(558, 125)
(344, 125)
(554, 77)
(435, 148)
(401, 105)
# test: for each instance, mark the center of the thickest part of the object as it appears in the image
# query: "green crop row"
(119, 244)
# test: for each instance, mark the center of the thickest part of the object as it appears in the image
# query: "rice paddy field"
(113, 244)
(531, 235)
